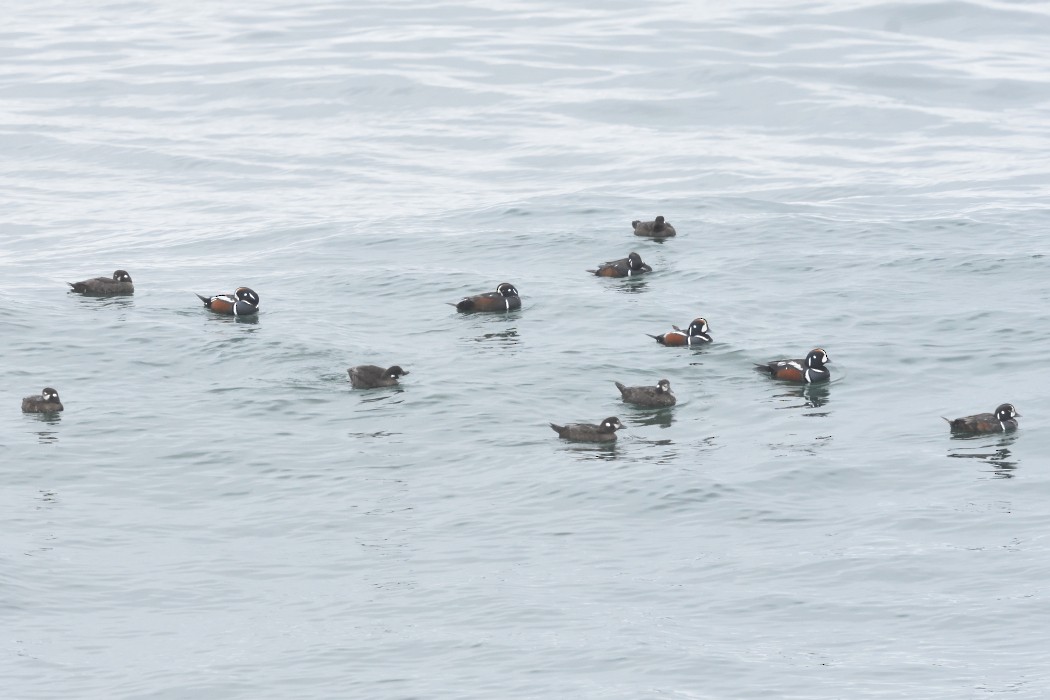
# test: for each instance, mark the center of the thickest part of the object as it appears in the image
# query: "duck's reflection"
(105, 302)
(663, 417)
(45, 436)
(385, 393)
(504, 337)
(605, 451)
(808, 397)
(632, 286)
(996, 454)
(226, 318)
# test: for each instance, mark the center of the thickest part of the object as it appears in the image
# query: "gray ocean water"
(217, 514)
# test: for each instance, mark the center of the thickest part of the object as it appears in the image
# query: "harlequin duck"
(630, 266)
(1004, 420)
(654, 229)
(371, 376)
(808, 371)
(585, 432)
(696, 334)
(658, 396)
(243, 302)
(46, 401)
(505, 298)
(119, 283)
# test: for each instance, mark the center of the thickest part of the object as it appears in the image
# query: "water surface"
(218, 515)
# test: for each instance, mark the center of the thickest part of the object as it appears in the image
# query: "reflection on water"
(386, 393)
(46, 437)
(377, 434)
(94, 302)
(505, 337)
(663, 417)
(996, 454)
(667, 452)
(491, 316)
(808, 396)
(225, 318)
(629, 285)
(591, 450)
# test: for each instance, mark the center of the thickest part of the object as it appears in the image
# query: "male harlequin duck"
(808, 371)
(46, 401)
(654, 229)
(1004, 420)
(658, 396)
(119, 283)
(505, 298)
(630, 266)
(243, 302)
(696, 334)
(585, 432)
(371, 376)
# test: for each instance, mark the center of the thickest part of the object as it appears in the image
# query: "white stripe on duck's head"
(817, 358)
(506, 289)
(699, 326)
(1005, 412)
(248, 295)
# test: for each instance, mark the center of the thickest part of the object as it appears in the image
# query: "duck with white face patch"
(1004, 420)
(696, 335)
(659, 396)
(505, 298)
(373, 376)
(810, 370)
(587, 432)
(118, 285)
(243, 302)
(631, 266)
(46, 401)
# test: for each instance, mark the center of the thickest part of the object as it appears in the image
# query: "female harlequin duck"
(45, 402)
(371, 376)
(659, 396)
(808, 371)
(585, 432)
(118, 284)
(505, 298)
(243, 302)
(654, 229)
(697, 334)
(630, 266)
(1004, 420)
